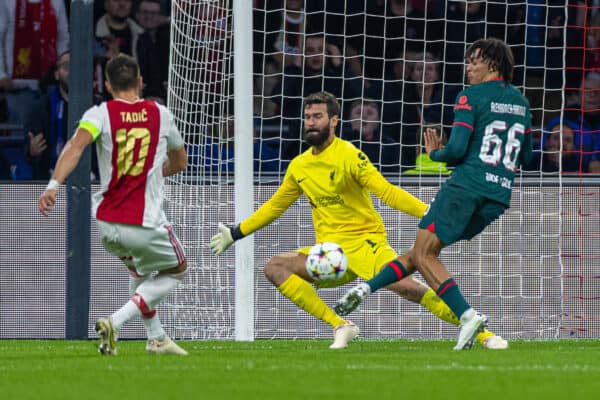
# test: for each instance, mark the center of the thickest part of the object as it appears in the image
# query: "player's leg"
(408, 288)
(287, 272)
(150, 250)
(401, 283)
(417, 292)
(446, 221)
(155, 291)
(154, 328)
(426, 250)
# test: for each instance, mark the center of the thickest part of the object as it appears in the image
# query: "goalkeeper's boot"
(495, 342)
(343, 334)
(164, 346)
(352, 299)
(470, 325)
(108, 337)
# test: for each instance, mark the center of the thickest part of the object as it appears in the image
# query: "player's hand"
(46, 201)
(222, 240)
(37, 144)
(433, 140)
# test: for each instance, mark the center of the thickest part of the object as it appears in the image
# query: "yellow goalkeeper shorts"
(366, 255)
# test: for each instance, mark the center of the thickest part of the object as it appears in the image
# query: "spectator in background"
(49, 121)
(593, 43)
(47, 127)
(586, 117)
(288, 43)
(554, 158)
(364, 130)
(391, 91)
(279, 29)
(425, 102)
(465, 24)
(153, 48)
(323, 71)
(116, 31)
(215, 151)
(376, 34)
(32, 34)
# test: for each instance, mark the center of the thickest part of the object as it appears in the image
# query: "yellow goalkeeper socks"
(304, 295)
(437, 307)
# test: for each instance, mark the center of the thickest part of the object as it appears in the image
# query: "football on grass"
(326, 262)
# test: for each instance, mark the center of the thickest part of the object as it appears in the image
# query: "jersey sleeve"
(464, 109)
(282, 199)
(462, 128)
(456, 147)
(92, 121)
(174, 139)
(526, 153)
(368, 176)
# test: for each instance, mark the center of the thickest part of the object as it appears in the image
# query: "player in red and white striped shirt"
(138, 145)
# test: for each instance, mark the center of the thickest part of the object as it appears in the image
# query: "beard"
(316, 137)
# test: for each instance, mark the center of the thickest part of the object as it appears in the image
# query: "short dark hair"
(123, 72)
(496, 53)
(333, 105)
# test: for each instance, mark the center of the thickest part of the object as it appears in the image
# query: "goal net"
(395, 66)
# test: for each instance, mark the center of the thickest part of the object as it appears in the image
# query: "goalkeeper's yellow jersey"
(336, 183)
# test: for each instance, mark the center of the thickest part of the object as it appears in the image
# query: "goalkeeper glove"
(225, 238)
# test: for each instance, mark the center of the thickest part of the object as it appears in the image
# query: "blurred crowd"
(395, 65)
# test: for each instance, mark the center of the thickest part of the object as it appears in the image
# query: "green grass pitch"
(301, 369)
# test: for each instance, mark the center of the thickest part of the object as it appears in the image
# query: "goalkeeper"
(336, 178)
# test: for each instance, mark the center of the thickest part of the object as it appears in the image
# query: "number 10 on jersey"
(126, 149)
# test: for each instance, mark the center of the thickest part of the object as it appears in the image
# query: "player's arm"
(462, 128)
(281, 200)
(176, 155)
(176, 162)
(456, 147)
(369, 177)
(64, 166)
(526, 153)
(394, 196)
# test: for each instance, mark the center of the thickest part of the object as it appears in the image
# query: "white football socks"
(154, 329)
(152, 291)
(124, 314)
(156, 289)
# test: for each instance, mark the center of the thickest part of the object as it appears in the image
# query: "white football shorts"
(145, 249)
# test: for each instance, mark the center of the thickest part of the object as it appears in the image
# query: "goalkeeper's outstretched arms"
(281, 200)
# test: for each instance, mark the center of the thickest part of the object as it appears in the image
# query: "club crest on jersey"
(463, 103)
(363, 160)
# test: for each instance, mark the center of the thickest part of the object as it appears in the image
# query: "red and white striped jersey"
(132, 141)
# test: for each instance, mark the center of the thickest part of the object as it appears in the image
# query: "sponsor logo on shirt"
(463, 104)
(326, 201)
